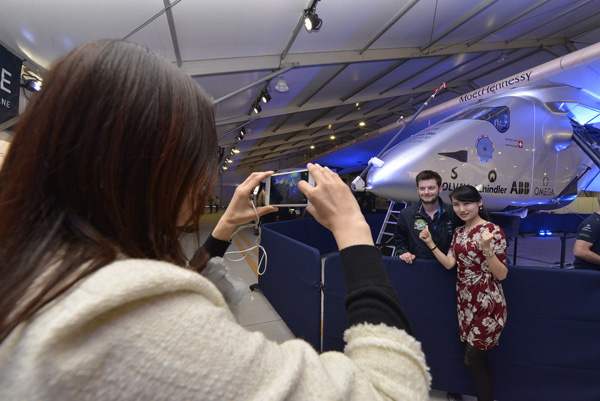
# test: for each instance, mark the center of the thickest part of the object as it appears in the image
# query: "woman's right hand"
(425, 236)
(333, 205)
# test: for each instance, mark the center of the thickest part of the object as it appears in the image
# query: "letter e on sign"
(4, 80)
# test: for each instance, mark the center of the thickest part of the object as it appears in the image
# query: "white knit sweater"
(147, 330)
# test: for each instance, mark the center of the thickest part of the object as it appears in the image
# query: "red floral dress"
(480, 300)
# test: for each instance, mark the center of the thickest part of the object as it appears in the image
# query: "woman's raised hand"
(334, 206)
(425, 235)
(240, 211)
(486, 240)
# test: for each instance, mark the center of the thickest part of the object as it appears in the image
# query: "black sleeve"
(215, 247)
(401, 236)
(370, 296)
(211, 248)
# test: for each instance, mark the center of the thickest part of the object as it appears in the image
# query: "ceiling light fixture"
(312, 146)
(281, 85)
(312, 22)
(503, 57)
(332, 137)
(32, 84)
(362, 123)
(235, 150)
(256, 108)
(265, 97)
(241, 135)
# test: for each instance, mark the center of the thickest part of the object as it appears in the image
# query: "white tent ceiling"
(371, 61)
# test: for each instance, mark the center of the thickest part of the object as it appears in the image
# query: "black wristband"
(215, 247)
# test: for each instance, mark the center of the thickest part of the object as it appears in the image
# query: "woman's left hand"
(486, 240)
(240, 211)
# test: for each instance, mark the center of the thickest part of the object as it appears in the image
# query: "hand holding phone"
(334, 206)
(282, 188)
(240, 210)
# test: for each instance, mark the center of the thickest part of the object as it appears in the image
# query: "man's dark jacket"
(411, 221)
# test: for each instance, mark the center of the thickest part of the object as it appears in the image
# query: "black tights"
(476, 362)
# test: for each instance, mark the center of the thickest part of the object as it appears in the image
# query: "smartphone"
(282, 188)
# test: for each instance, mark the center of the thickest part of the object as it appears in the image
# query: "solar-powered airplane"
(527, 142)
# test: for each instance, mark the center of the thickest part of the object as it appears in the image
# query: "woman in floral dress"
(478, 248)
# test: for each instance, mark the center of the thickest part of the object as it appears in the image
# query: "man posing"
(430, 210)
(587, 245)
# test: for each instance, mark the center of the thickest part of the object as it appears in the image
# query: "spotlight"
(256, 108)
(332, 137)
(362, 123)
(265, 97)
(503, 57)
(31, 84)
(225, 167)
(235, 150)
(312, 22)
(281, 86)
(312, 146)
(241, 135)
(228, 160)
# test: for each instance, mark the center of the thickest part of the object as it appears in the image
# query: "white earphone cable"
(257, 245)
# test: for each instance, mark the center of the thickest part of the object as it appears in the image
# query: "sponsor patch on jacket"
(420, 224)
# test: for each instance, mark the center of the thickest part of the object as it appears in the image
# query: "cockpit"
(499, 116)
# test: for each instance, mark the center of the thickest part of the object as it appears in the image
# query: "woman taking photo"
(478, 248)
(112, 157)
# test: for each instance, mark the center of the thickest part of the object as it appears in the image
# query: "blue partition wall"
(548, 351)
(564, 223)
(292, 282)
(550, 348)
(427, 293)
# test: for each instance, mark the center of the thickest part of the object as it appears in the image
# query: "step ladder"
(385, 240)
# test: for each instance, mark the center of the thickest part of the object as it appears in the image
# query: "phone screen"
(284, 189)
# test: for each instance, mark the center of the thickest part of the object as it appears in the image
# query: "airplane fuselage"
(516, 148)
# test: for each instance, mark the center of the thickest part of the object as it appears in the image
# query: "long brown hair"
(101, 163)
